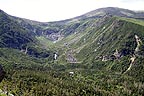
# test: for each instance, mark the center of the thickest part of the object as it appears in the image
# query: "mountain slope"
(109, 43)
(115, 12)
(98, 53)
(12, 34)
(111, 36)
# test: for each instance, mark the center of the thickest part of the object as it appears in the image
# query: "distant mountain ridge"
(20, 32)
(116, 12)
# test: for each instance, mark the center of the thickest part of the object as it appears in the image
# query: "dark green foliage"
(39, 52)
(2, 73)
(19, 36)
(83, 82)
(138, 70)
(12, 35)
(32, 71)
(70, 29)
(141, 52)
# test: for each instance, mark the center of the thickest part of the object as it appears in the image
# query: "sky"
(55, 10)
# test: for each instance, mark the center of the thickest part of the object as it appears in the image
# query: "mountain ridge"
(101, 53)
(56, 31)
(106, 10)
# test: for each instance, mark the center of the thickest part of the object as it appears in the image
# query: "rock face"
(2, 73)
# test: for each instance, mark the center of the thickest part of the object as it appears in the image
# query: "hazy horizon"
(54, 10)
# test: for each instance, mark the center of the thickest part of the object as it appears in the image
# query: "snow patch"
(139, 42)
(55, 56)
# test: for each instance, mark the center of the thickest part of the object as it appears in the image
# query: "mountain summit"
(115, 12)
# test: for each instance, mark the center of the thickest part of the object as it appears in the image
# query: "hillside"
(115, 12)
(98, 53)
(12, 34)
(15, 35)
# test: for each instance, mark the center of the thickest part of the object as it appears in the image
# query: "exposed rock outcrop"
(117, 54)
(70, 57)
(139, 42)
(137, 49)
(132, 59)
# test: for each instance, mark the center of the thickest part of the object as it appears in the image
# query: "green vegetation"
(85, 81)
(95, 55)
(137, 21)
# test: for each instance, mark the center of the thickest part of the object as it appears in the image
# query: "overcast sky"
(54, 10)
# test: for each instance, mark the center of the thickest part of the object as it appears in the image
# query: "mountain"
(97, 53)
(115, 12)
(18, 34)
(12, 34)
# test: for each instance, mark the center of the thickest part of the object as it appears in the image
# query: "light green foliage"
(46, 44)
(137, 21)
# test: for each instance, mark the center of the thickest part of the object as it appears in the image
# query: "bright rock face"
(55, 56)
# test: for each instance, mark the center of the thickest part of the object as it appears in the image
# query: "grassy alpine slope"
(99, 53)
